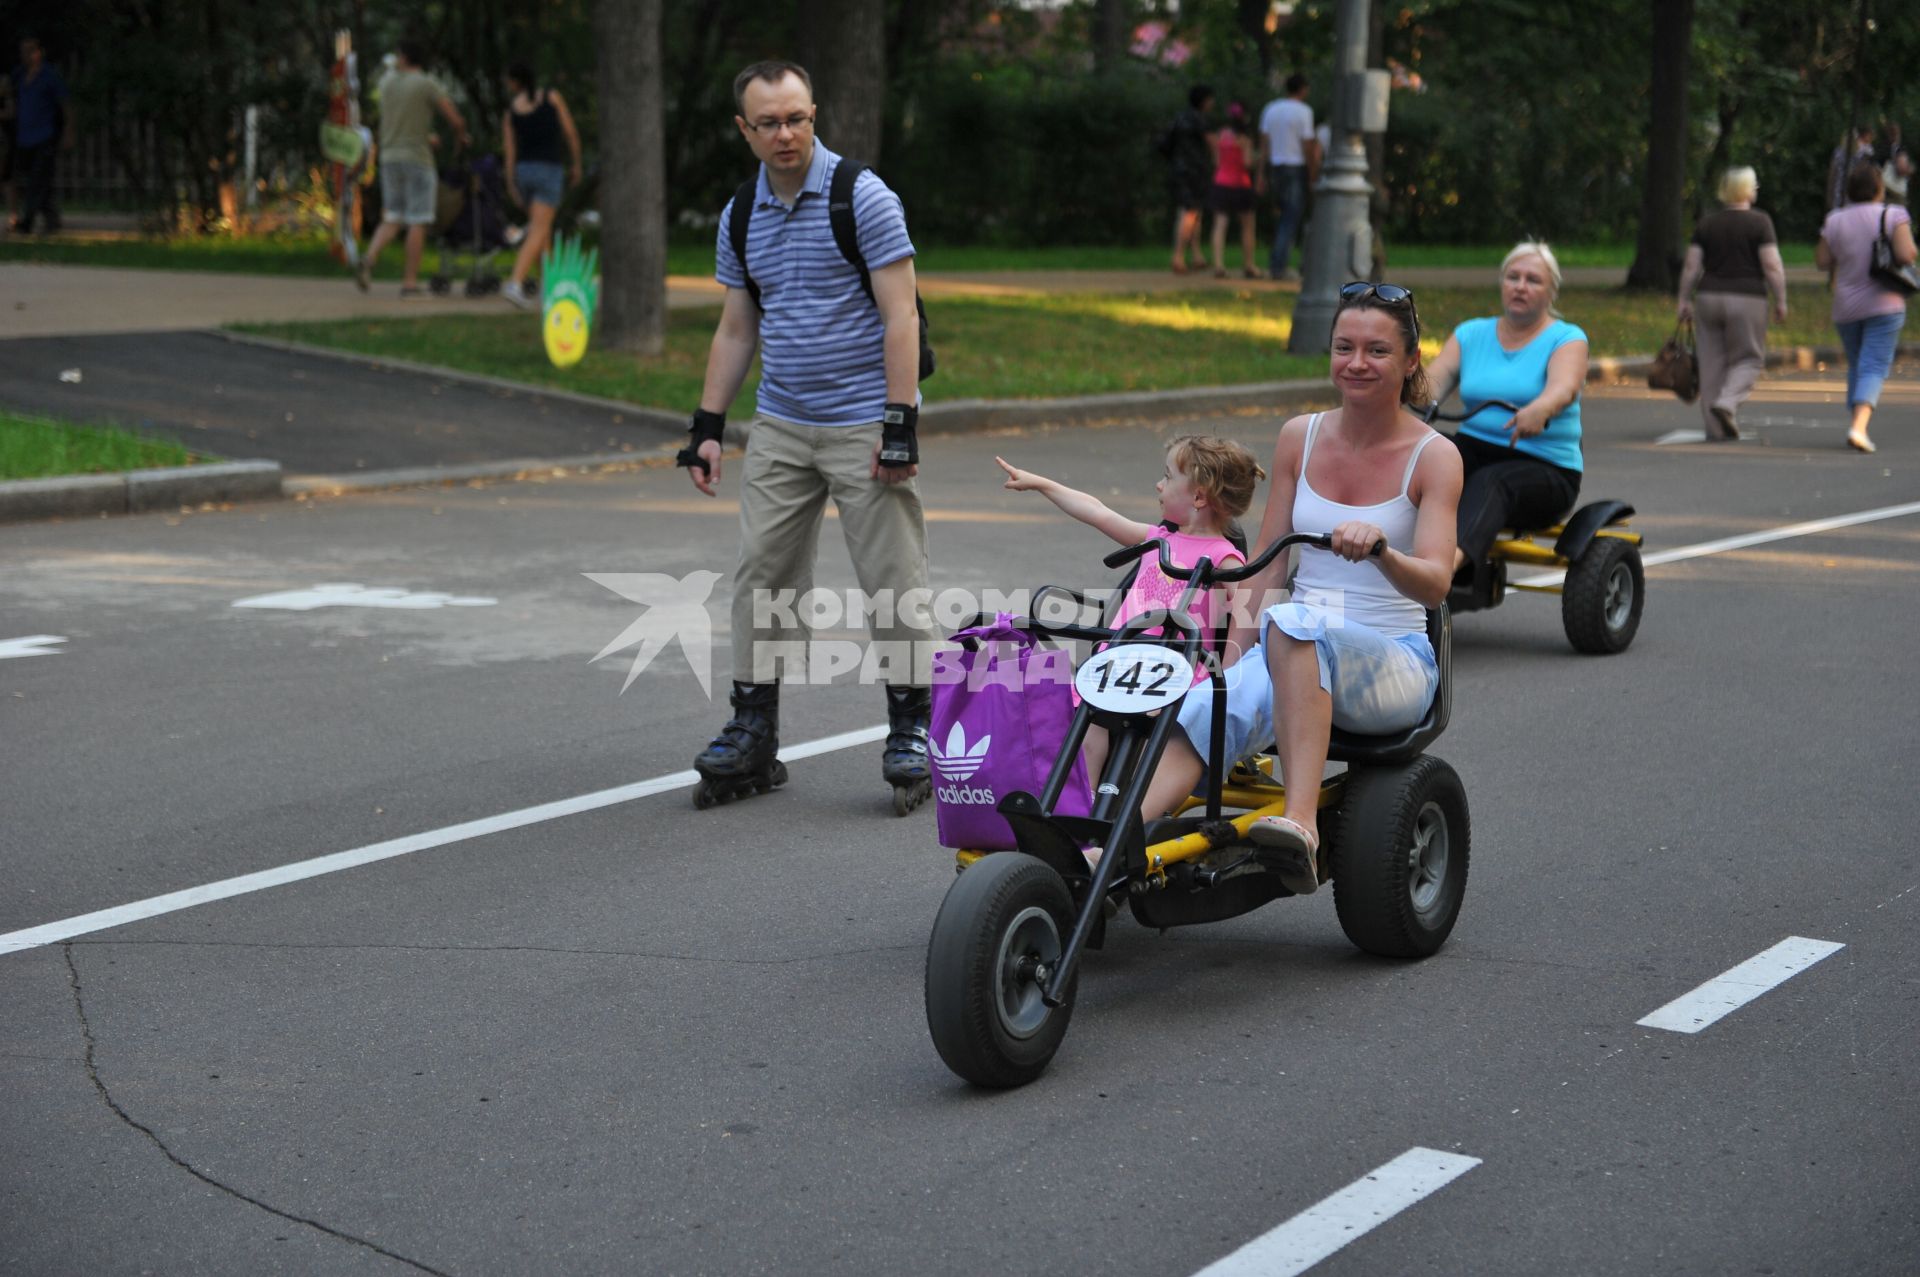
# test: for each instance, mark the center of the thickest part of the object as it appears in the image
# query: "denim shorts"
(407, 191)
(540, 180)
(1379, 684)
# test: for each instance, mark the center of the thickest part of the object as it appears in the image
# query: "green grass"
(40, 447)
(306, 255)
(1023, 347)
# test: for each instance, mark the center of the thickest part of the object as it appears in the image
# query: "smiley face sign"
(569, 292)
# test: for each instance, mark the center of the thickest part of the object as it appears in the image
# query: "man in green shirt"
(408, 101)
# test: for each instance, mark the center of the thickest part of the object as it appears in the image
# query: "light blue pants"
(1379, 683)
(1869, 345)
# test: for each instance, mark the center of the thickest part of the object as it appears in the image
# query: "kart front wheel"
(997, 939)
(1601, 598)
(1400, 861)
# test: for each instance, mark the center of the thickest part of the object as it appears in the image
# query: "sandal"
(1298, 866)
(1860, 445)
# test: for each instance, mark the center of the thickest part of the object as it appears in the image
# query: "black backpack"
(845, 237)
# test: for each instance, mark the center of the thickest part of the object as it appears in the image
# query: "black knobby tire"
(1400, 860)
(1600, 600)
(983, 1007)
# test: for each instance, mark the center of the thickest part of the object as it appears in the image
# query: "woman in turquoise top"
(1522, 469)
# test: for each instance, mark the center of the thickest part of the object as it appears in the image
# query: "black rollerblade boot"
(904, 761)
(740, 760)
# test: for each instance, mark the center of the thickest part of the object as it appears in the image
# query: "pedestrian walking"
(836, 416)
(1234, 190)
(42, 125)
(543, 157)
(409, 99)
(1868, 313)
(1293, 165)
(1189, 155)
(1732, 266)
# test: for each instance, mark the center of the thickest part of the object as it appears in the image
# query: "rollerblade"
(740, 760)
(904, 761)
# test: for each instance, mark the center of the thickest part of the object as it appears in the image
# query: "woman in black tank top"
(539, 136)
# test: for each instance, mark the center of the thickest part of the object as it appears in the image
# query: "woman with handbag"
(1869, 293)
(1734, 263)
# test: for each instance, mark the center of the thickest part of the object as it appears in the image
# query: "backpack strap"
(737, 220)
(840, 213)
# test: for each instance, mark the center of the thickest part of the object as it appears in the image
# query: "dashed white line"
(1725, 994)
(173, 902)
(1332, 1222)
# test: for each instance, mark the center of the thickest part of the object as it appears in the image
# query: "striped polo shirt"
(822, 345)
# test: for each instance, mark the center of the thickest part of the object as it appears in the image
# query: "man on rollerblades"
(837, 327)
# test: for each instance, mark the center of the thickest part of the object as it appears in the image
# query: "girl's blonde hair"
(1220, 468)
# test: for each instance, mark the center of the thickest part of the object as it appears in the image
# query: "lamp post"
(1339, 243)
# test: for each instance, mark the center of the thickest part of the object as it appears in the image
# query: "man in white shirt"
(1293, 166)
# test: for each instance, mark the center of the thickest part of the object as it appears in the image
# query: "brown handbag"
(1676, 367)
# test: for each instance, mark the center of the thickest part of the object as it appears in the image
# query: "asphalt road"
(641, 1038)
(314, 414)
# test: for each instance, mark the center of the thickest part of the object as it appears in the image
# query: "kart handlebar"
(1222, 576)
(1434, 414)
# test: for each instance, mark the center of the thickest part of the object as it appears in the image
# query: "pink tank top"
(1232, 170)
(1153, 588)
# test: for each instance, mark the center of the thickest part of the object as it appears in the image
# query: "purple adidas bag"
(1001, 708)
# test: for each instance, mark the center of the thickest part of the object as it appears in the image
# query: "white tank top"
(1358, 591)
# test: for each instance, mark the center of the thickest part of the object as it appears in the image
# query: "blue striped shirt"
(822, 343)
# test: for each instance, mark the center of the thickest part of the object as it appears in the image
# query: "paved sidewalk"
(48, 301)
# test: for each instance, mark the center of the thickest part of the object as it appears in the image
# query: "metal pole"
(1339, 238)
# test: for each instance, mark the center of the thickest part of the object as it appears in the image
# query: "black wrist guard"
(899, 445)
(706, 425)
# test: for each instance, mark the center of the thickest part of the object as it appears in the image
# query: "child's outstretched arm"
(1088, 509)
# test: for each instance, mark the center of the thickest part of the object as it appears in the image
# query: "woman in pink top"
(1207, 484)
(1233, 190)
(1867, 313)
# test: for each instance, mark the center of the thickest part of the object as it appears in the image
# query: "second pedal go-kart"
(1004, 959)
(1604, 585)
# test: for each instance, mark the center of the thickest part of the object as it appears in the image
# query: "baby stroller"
(470, 220)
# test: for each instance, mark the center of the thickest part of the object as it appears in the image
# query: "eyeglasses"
(1391, 294)
(771, 128)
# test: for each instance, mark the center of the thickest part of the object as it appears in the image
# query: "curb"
(138, 491)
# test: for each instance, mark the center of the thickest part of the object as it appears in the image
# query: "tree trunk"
(1109, 34)
(845, 51)
(633, 205)
(1656, 258)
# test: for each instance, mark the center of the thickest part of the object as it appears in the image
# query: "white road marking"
(1746, 539)
(1725, 994)
(1682, 436)
(347, 594)
(31, 645)
(1332, 1222)
(173, 902)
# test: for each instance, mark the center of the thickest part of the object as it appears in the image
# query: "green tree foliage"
(997, 124)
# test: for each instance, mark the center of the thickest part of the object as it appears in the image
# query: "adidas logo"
(959, 761)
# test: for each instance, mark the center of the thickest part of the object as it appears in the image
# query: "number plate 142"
(1134, 678)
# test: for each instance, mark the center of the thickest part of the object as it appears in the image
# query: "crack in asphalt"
(106, 1096)
(511, 948)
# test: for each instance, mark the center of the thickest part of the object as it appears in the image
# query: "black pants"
(33, 171)
(1508, 489)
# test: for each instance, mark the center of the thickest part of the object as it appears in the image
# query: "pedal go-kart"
(1604, 586)
(1004, 959)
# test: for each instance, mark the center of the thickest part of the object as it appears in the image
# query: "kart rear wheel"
(999, 934)
(1601, 598)
(1400, 859)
